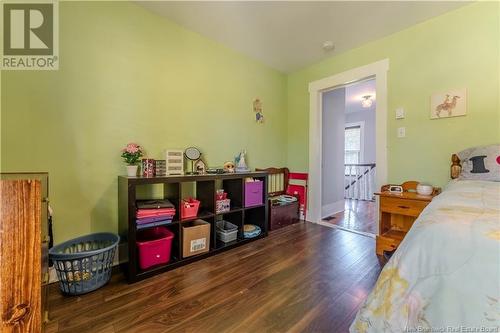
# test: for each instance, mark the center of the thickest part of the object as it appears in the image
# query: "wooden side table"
(398, 211)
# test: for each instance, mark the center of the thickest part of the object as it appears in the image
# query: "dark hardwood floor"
(302, 278)
(358, 216)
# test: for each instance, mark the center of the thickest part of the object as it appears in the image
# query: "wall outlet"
(400, 113)
(401, 132)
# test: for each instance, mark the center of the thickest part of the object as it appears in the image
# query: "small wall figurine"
(257, 108)
(200, 167)
(241, 164)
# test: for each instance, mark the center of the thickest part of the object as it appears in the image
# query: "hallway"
(358, 216)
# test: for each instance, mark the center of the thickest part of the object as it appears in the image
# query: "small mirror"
(192, 153)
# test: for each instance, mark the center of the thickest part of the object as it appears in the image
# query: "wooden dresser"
(398, 211)
(23, 251)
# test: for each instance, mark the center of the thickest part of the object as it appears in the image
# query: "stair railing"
(359, 181)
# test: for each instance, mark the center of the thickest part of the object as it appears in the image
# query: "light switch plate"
(400, 113)
(401, 132)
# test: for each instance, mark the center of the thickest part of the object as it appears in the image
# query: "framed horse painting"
(452, 103)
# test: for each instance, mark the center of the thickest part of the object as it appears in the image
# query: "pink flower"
(131, 153)
(132, 148)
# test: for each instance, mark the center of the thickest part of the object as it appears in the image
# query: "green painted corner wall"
(455, 50)
(129, 75)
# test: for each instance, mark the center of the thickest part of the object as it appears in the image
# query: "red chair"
(299, 190)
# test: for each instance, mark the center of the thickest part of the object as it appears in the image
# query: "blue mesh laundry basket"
(84, 264)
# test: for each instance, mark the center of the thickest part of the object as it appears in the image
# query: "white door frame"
(316, 89)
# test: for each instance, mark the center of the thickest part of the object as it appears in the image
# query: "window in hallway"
(353, 144)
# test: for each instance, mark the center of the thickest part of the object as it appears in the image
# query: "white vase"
(132, 170)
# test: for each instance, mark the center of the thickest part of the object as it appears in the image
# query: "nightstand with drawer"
(398, 211)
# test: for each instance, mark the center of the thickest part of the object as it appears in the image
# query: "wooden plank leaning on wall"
(20, 256)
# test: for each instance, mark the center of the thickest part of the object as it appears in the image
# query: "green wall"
(129, 75)
(455, 50)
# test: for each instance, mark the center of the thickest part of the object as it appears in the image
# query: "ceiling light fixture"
(328, 45)
(367, 101)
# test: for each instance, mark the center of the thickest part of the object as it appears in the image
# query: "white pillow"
(481, 163)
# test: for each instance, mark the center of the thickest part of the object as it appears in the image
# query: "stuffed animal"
(229, 167)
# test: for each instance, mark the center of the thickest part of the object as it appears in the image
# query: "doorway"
(320, 166)
(348, 161)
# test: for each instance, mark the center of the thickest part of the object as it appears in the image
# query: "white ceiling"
(288, 35)
(354, 95)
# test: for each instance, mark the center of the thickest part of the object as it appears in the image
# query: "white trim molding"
(316, 89)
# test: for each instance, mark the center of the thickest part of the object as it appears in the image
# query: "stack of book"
(152, 213)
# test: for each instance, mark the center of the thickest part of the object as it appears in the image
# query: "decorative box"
(160, 167)
(222, 206)
(254, 193)
(148, 167)
(174, 162)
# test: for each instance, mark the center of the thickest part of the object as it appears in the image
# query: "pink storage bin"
(189, 208)
(154, 246)
(254, 193)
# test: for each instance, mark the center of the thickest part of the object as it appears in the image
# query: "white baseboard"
(333, 208)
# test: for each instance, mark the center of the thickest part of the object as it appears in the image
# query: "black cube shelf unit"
(206, 186)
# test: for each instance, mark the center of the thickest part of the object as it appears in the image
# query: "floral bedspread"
(445, 275)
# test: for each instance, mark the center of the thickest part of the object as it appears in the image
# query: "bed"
(445, 275)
